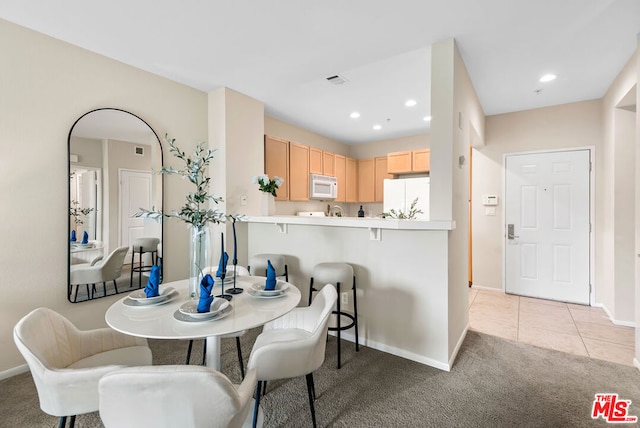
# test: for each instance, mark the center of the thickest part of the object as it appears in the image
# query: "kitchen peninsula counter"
(362, 222)
(404, 302)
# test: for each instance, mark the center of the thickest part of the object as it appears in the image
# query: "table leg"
(213, 352)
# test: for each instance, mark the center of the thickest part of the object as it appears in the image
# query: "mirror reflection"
(113, 157)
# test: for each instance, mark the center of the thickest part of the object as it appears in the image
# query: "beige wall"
(46, 85)
(559, 127)
(616, 279)
(236, 131)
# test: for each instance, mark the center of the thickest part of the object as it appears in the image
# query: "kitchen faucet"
(335, 207)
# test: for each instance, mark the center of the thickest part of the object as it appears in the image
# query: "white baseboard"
(636, 363)
(482, 287)
(14, 371)
(458, 345)
(613, 320)
(396, 351)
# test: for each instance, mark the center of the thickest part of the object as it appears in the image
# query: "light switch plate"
(243, 200)
(490, 211)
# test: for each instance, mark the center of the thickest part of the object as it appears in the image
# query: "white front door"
(547, 225)
(135, 193)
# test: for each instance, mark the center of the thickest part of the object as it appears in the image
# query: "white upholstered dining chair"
(294, 345)
(66, 363)
(99, 271)
(174, 396)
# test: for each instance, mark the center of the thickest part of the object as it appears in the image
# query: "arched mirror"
(113, 159)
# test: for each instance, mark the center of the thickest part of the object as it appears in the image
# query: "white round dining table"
(162, 321)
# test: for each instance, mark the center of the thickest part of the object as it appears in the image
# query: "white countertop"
(362, 222)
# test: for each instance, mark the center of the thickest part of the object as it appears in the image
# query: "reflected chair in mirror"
(240, 271)
(174, 396)
(66, 363)
(143, 247)
(342, 275)
(294, 345)
(98, 271)
(258, 265)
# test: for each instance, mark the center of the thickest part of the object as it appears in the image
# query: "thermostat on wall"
(489, 200)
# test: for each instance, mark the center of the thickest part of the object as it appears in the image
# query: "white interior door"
(135, 193)
(547, 225)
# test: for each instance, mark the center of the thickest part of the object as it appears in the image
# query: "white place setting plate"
(191, 308)
(257, 289)
(188, 318)
(139, 298)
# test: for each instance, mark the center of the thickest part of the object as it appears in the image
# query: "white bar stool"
(258, 265)
(342, 276)
(143, 246)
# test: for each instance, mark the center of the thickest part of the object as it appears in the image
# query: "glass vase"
(199, 258)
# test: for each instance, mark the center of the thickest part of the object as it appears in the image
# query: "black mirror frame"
(69, 189)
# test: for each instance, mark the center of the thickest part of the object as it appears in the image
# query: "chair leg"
(310, 290)
(104, 289)
(133, 257)
(189, 352)
(115, 286)
(286, 273)
(355, 312)
(204, 352)
(75, 296)
(338, 330)
(264, 387)
(72, 421)
(311, 391)
(63, 422)
(89, 295)
(240, 356)
(257, 404)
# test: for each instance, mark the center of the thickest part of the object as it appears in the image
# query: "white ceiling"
(281, 52)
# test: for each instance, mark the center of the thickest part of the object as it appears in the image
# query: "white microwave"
(322, 187)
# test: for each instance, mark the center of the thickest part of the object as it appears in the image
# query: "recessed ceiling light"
(410, 103)
(354, 115)
(377, 127)
(547, 78)
(427, 118)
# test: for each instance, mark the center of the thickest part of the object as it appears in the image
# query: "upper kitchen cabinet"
(399, 162)
(351, 191)
(298, 172)
(408, 161)
(276, 163)
(340, 165)
(328, 164)
(380, 173)
(366, 178)
(421, 160)
(315, 161)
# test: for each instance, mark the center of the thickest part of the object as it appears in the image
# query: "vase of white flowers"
(195, 212)
(268, 188)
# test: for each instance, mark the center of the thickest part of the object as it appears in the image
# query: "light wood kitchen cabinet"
(340, 165)
(366, 179)
(380, 174)
(328, 164)
(399, 162)
(351, 180)
(408, 161)
(298, 172)
(315, 161)
(420, 160)
(276, 163)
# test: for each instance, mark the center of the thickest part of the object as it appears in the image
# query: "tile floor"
(576, 329)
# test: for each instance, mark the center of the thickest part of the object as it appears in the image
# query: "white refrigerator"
(401, 192)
